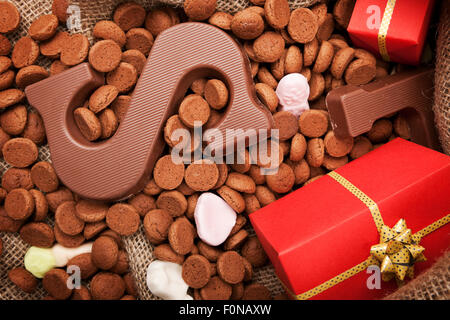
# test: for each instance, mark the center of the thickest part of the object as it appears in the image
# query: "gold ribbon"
(382, 32)
(397, 251)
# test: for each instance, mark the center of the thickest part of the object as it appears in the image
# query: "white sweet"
(214, 219)
(165, 281)
(293, 93)
(63, 255)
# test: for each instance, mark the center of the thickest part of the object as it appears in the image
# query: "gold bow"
(398, 251)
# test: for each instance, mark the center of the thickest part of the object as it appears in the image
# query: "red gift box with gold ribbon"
(392, 29)
(381, 217)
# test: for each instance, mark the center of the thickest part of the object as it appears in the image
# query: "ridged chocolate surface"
(118, 167)
(353, 110)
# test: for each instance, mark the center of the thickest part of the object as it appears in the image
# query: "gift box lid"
(321, 230)
(406, 32)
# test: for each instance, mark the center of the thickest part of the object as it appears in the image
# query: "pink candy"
(214, 219)
(293, 93)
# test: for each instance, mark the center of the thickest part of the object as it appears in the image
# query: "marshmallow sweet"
(39, 261)
(214, 219)
(165, 281)
(293, 93)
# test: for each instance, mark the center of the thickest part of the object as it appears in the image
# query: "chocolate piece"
(353, 109)
(121, 166)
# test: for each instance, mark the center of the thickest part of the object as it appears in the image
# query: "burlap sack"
(138, 248)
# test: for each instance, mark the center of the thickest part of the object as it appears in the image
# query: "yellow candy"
(39, 261)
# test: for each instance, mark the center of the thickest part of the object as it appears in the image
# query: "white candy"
(293, 93)
(63, 255)
(165, 281)
(214, 219)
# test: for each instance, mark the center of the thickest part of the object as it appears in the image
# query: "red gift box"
(405, 30)
(322, 230)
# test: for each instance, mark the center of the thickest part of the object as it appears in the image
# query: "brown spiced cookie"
(9, 17)
(55, 283)
(107, 286)
(233, 198)
(23, 279)
(123, 219)
(44, 176)
(236, 240)
(75, 49)
(269, 47)
(313, 123)
(105, 55)
(194, 109)
(303, 25)
(130, 285)
(156, 225)
(25, 52)
(332, 163)
(57, 67)
(298, 147)
(199, 10)
(41, 205)
(6, 79)
(109, 123)
(94, 228)
(216, 289)
(81, 293)
(59, 9)
(57, 197)
(267, 96)
(209, 252)
(5, 45)
(172, 124)
(105, 253)
(361, 146)
(136, 58)
(7, 224)
(123, 77)
(342, 12)
(277, 13)
(359, 72)
(265, 76)
(120, 106)
(230, 267)
(20, 152)
(44, 27)
(181, 236)
(129, 15)
(281, 181)
(164, 252)
(201, 175)
(196, 271)
(52, 47)
(381, 131)
(294, 60)
(5, 63)
(286, 123)
(84, 262)
(160, 19)
(174, 202)
(142, 203)
(102, 98)
(14, 178)
(337, 147)
(341, 60)
(109, 30)
(253, 252)
(316, 86)
(247, 25)
(326, 28)
(34, 128)
(240, 182)
(88, 123)
(221, 20)
(66, 240)
(324, 57)
(14, 119)
(67, 219)
(167, 174)
(122, 264)
(216, 94)
(37, 234)
(91, 211)
(256, 291)
(139, 39)
(315, 152)
(29, 75)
